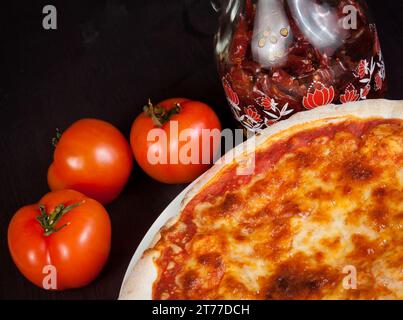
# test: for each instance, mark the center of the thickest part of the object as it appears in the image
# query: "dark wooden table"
(104, 61)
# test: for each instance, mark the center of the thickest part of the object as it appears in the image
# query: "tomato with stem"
(189, 118)
(65, 230)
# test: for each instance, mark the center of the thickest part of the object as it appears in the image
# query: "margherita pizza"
(321, 217)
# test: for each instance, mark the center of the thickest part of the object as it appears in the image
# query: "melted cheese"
(289, 233)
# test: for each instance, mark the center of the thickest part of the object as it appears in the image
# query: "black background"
(104, 61)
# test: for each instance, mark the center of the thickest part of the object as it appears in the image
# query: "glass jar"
(279, 57)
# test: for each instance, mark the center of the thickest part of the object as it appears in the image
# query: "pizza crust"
(139, 284)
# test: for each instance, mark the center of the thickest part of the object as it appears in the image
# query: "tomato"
(76, 244)
(186, 114)
(92, 157)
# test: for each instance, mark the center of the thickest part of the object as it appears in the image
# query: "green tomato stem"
(49, 221)
(160, 115)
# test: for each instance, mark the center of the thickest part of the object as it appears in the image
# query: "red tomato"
(188, 115)
(92, 157)
(76, 244)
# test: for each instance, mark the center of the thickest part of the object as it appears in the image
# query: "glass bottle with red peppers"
(279, 57)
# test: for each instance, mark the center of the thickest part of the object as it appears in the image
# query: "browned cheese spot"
(356, 170)
(295, 280)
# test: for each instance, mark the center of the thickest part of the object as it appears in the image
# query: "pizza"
(320, 217)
